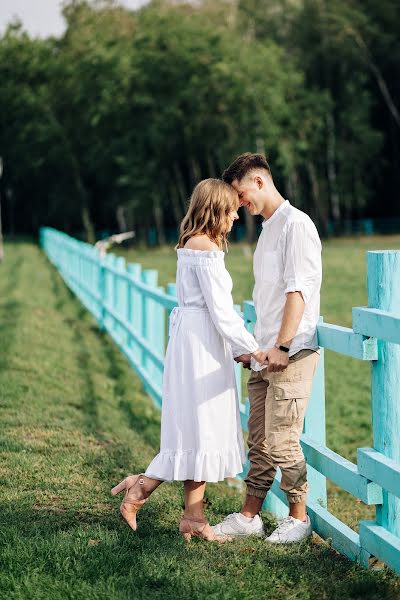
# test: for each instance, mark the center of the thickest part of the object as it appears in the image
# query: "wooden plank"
(376, 540)
(249, 312)
(134, 309)
(383, 276)
(149, 277)
(238, 366)
(341, 471)
(314, 424)
(120, 295)
(345, 341)
(341, 537)
(152, 388)
(159, 336)
(101, 292)
(143, 343)
(382, 324)
(377, 467)
(111, 287)
(147, 288)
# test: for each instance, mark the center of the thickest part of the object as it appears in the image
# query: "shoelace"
(230, 517)
(284, 524)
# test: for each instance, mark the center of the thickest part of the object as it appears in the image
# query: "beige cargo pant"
(278, 403)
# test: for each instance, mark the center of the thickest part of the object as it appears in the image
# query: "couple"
(201, 436)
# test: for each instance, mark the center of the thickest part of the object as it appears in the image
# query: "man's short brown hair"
(243, 164)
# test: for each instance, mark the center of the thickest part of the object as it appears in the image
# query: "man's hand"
(245, 359)
(277, 360)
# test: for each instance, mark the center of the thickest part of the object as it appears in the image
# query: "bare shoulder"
(201, 242)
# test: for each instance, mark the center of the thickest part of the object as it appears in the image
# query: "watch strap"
(282, 348)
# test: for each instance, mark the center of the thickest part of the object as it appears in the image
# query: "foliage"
(112, 125)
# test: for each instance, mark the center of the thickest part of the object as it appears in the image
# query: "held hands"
(258, 355)
(244, 359)
(274, 359)
(277, 360)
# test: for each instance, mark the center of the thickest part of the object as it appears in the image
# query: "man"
(287, 272)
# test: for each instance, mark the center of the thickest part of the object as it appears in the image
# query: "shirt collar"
(280, 209)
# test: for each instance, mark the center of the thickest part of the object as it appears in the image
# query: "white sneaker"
(234, 526)
(290, 530)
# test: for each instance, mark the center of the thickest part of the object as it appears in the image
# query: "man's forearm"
(292, 315)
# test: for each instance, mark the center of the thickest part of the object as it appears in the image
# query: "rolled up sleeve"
(303, 270)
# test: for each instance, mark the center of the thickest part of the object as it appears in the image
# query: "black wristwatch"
(282, 348)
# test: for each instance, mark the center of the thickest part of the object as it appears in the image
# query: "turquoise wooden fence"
(133, 309)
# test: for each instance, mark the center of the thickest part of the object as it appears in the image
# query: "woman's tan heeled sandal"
(201, 529)
(130, 504)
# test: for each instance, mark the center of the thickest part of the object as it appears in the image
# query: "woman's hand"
(260, 356)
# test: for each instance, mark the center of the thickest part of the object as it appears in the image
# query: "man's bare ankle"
(247, 513)
(298, 512)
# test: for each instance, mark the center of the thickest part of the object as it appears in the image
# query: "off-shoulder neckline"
(208, 253)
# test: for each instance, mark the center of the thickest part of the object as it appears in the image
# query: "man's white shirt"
(287, 259)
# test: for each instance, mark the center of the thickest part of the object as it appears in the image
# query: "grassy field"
(74, 420)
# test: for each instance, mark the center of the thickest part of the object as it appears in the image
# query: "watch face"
(282, 348)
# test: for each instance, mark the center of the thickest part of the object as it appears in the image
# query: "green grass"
(74, 420)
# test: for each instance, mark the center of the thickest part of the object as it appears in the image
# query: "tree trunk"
(319, 214)
(158, 220)
(85, 214)
(331, 166)
(11, 211)
(180, 186)
(293, 187)
(376, 72)
(196, 171)
(120, 216)
(1, 238)
(88, 225)
(80, 188)
(250, 227)
(211, 167)
(175, 203)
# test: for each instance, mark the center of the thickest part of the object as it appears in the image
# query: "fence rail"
(134, 310)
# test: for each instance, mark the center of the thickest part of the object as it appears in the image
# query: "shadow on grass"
(77, 318)
(154, 562)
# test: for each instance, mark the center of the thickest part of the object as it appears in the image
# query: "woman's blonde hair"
(210, 204)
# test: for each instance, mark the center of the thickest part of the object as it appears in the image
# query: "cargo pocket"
(289, 399)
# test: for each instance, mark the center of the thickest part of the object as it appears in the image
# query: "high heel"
(130, 505)
(199, 528)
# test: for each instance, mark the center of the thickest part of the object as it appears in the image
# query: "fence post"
(159, 336)
(102, 291)
(383, 278)
(109, 261)
(134, 309)
(171, 291)
(238, 366)
(120, 297)
(315, 427)
(149, 277)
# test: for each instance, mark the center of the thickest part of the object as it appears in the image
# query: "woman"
(201, 436)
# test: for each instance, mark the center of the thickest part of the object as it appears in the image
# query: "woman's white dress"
(201, 434)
